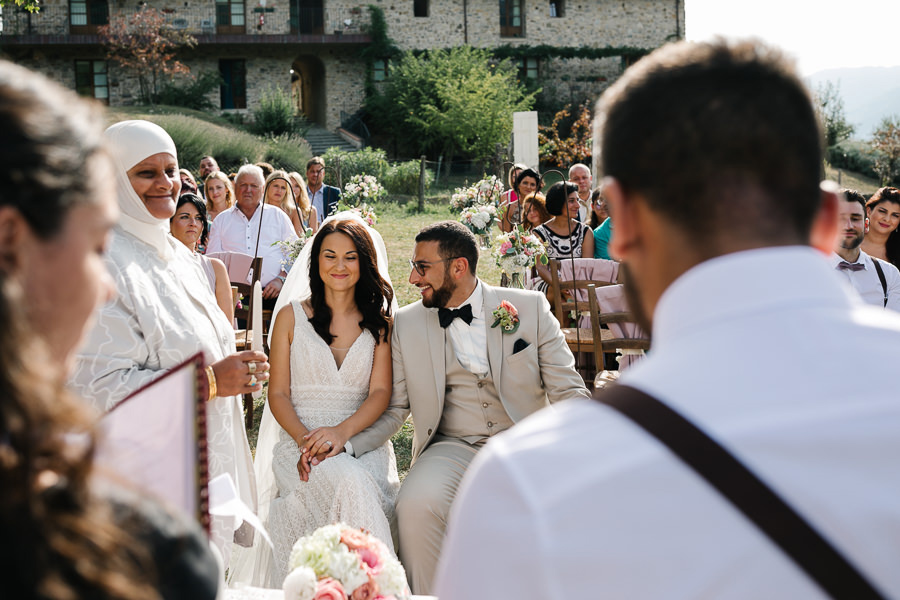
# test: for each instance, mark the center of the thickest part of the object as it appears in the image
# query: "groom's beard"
(633, 298)
(440, 296)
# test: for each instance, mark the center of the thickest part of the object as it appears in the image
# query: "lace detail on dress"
(358, 491)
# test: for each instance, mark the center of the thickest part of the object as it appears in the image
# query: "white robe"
(164, 313)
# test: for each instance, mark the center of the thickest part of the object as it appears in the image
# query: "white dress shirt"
(233, 232)
(757, 348)
(866, 282)
(317, 199)
(470, 341)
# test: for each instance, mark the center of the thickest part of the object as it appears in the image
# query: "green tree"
(145, 44)
(886, 142)
(453, 102)
(830, 107)
(29, 5)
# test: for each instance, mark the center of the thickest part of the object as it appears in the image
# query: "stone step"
(320, 140)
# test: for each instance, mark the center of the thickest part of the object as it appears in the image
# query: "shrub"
(192, 94)
(368, 161)
(854, 156)
(275, 115)
(403, 178)
(288, 151)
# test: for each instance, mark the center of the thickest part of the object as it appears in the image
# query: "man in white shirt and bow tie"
(464, 381)
(876, 281)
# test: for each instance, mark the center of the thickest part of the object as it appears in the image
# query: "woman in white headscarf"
(164, 312)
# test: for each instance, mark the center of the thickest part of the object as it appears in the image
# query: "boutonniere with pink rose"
(506, 316)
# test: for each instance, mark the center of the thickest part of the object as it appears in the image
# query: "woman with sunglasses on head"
(279, 192)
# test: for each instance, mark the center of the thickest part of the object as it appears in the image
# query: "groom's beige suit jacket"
(526, 381)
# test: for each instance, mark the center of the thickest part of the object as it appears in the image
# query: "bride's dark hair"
(373, 294)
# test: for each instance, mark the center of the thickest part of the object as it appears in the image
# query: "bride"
(330, 379)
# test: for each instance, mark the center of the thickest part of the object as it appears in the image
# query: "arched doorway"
(308, 87)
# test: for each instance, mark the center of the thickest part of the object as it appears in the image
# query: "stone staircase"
(320, 140)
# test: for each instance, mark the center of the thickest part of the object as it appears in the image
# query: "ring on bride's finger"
(252, 366)
(329, 444)
(252, 381)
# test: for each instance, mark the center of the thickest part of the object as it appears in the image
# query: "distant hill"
(869, 93)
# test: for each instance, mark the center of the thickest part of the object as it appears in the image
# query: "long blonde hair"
(287, 203)
(302, 200)
(229, 189)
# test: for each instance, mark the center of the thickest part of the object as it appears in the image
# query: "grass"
(851, 180)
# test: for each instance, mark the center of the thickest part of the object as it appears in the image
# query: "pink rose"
(329, 589)
(366, 591)
(504, 247)
(354, 539)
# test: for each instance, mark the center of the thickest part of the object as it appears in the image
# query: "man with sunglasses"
(463, 379)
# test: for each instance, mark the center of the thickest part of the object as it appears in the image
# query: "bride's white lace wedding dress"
(357, 491)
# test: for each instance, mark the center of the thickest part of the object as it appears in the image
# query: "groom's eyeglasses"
(421, 265)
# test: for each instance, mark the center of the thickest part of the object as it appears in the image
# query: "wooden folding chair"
(243, 271)
(621, 333)
(569, 294)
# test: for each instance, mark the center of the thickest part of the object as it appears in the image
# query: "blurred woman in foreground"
(60, 538)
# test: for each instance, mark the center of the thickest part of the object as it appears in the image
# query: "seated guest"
(534, 209)
(308, 214)
(580, 175)
(267, 169)
(527, 181)
(219, 193)
(510, 196)
(324, 198)
(566, 237)
(279, 192)
(883, 240)
(877, 281)
(238, 229)
(712, 154)
(602, 233)
(188, 183)
(599, 213)
(190, 227)
(208, 166)
(63, 538)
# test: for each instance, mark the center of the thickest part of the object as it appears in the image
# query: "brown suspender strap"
(759, 503)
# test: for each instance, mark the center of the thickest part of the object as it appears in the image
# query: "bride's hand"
(323, 442)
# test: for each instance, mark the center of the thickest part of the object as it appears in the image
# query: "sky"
(820, 34)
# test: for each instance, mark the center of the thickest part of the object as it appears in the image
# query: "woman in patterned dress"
(565, 235)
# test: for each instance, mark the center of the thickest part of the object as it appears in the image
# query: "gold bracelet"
(211, 377)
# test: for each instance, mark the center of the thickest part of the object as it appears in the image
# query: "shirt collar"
(476, 299)
(746, 282)
(862, 259)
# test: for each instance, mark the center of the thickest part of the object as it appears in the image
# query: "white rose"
(300, 584)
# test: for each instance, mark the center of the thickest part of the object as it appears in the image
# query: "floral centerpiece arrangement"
(486, 191)
(479, 218)
(362, 188)
(338, 562)
(291, 250)
(517, 250)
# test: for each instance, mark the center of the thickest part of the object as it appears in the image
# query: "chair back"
(239, 266)
(570, 279)
(609, 306)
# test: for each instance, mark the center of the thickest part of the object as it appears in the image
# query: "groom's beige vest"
(472, 408)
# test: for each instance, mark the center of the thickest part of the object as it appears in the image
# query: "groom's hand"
(307, 462)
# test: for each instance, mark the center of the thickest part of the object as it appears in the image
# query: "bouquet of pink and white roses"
(518, 250)
(479, 218)
(362, 188)
(338, 562)
(364, 210)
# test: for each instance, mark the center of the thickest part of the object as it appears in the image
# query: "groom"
(463, 380)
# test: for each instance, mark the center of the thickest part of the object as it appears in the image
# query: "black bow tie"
(446, 315)
(846, 266)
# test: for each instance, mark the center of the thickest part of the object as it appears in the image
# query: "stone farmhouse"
(312, 47)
